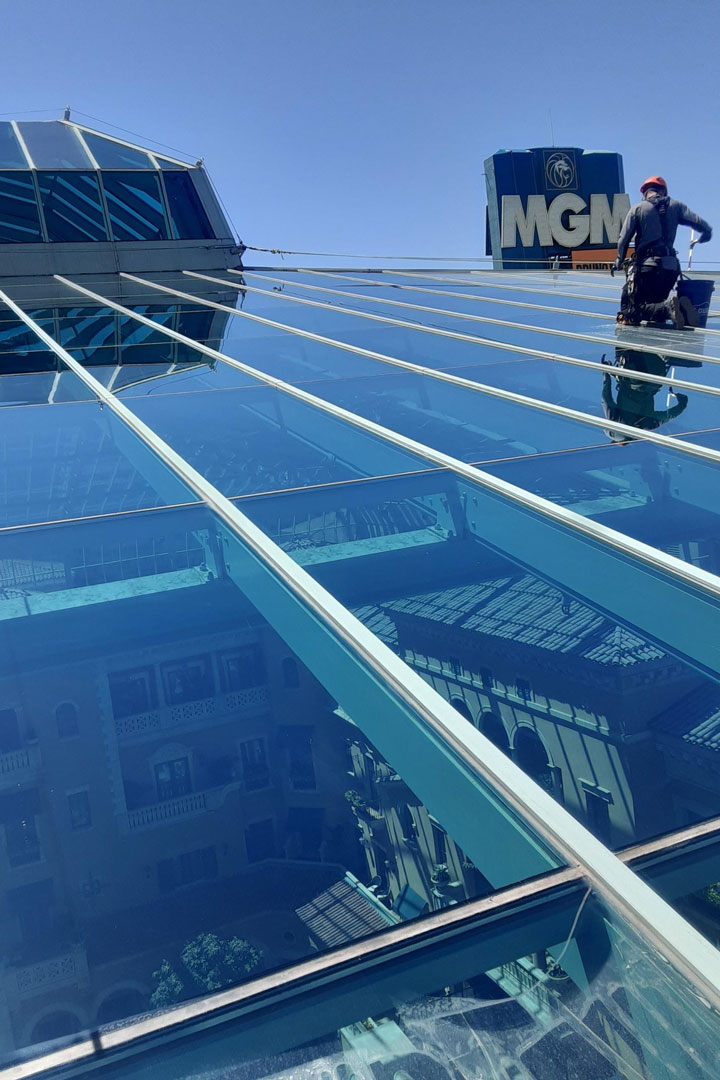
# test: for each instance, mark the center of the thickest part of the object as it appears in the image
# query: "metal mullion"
(495, 285)
(299, 978)
(642, 376)
(456, 335)
(651, 916)
(98, 172)
(632, 433)
(166, 206)
(41, 208)
(132, 146)
(449, 292)
(295, 981)
(23, 144)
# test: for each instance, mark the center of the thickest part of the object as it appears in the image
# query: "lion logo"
(560, 171)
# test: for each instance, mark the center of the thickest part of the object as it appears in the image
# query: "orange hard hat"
(653, 181)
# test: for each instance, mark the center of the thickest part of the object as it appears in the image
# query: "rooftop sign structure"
(359, 705)
(554, 207)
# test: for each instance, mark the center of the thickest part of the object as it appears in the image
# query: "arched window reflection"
(532, 757)
(460, 706)
(494, 729)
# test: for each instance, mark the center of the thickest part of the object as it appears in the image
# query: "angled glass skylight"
(359, 700)
(96, 188)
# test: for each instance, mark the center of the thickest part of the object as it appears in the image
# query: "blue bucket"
(698, 292)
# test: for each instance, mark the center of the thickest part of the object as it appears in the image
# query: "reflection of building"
(501, 660)
(165, 762)
(414, 865)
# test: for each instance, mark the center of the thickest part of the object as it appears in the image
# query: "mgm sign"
(551, 207)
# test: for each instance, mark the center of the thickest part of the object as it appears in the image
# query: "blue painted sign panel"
(554, 206)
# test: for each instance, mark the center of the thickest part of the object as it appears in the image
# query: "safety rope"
(345, 255)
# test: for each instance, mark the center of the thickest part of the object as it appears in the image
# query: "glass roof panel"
(204, 761)
(115, 155)
(555, 674)
(19, 218)
(11, 155)
(512, 440)
(189, 220)
(214, 694)
(135, 206)
(72, 460)
(550, 987)
(261, 440)
(53, 145)
(72, 207)
(354, 330)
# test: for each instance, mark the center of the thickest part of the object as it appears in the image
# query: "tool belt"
(658, 257)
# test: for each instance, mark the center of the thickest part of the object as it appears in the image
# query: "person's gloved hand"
(618, 264)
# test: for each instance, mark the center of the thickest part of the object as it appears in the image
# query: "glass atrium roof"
(61, 182)
(360, 712)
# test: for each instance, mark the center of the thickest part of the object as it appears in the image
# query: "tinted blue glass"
(72, 207)
(354, 330)
(489, 303)
(261, 440)
(11, 155)
(114, 155)
(498, 999)
(19, 219)
(189, 220)
(83, 332)
(26, 389)
(135, 206)
(201, 711)
(53, 145)
(70, 460)
(17, 339)
(521, 637)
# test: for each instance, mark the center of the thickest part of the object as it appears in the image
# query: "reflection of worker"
(634, 403)
(653, 269)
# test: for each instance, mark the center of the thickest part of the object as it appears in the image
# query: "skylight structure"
(359, 706)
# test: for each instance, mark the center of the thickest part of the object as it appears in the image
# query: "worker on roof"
(654, 268)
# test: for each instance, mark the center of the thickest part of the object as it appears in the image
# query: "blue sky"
(361, 126)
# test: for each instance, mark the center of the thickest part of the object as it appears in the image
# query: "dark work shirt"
(644, 224)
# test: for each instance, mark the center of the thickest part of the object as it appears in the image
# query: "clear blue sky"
(362, 125)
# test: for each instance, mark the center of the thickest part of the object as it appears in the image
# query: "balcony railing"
(166, 812)
(26, 759)
(191, 714)
(67, 969)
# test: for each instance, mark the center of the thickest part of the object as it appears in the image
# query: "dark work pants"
(647, 300)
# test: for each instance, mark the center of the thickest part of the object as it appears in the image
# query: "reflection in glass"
(19, 218)
(72, 207)
(115, 155)
(189, 220)
(607, 720)
(73, 460)
(53, 145)
(633, 402)
(11, 155)
(135, 206)
(204, 757)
